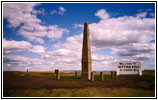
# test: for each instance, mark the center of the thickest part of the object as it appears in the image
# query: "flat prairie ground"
(44, 84)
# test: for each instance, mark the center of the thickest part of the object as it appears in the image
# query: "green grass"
(79, 92)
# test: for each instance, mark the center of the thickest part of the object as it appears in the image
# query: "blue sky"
(48, 36)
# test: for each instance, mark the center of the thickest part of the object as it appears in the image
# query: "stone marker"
(92, 76)
(27, 70)
(86, 54)
(101, 76)
(76, 74)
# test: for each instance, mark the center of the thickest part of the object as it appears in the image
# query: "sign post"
(129, 67)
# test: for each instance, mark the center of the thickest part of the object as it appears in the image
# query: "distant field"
(44, 84)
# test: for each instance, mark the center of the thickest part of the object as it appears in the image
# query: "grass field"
(44, 84)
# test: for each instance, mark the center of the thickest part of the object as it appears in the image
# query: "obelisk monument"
(86, 54)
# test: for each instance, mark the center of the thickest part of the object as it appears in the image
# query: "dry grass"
(80, 92)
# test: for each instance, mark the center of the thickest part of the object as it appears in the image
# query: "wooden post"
(58, 76)
(92, 76)
(115, 74)
(101, 76)
(112, 75)
(56, 71)
(76, 74)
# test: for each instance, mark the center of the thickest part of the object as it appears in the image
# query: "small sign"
(129, 67)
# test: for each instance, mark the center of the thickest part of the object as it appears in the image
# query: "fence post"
(92, 76)
(112, 75)
(101, 76)
(115, 74)
(58, 76)
(76, 74)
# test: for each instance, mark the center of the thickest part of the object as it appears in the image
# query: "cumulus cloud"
(41, 11)
(135, 51)
(142, 14)
(54, 32)
(31, 28)
(53, 12)
(17, 13)
(20, 46)
(37, 49)
(60, 11)
(128, 38)
(15, 46)
(102, 14)
(78, 26)
(36, 32)
(68, 56)
(152, 14)
(122, 31)
(12, 62)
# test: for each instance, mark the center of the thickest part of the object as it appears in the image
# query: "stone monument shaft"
(86, 54)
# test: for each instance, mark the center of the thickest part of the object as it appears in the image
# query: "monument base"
(86, 75)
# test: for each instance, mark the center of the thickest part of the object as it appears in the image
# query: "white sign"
(128, 67)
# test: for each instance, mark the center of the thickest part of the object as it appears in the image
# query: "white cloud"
(68, 56)
(20, 46)
(31, 28)
(57, 46)
(152, 14)
(37, 49)
(17, 13)
(54, 32)
(41, 11)
(78, 26)
(135, 51)
(102, 14)
(15, 46)
(53, 12)
(60, 11)
(128, 38)
(142, 14)
(122, 31)
(12, 62)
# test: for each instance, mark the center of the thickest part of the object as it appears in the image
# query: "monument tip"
(86, 23)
